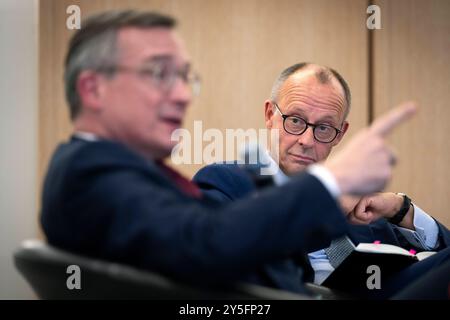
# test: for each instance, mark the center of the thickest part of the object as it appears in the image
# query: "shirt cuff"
(321, 266)
(326, 177)
(426, 233)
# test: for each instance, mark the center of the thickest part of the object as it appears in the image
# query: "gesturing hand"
(364, 166)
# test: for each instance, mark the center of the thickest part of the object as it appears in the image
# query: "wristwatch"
(398, 217)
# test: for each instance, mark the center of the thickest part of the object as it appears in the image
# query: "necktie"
(339, 250)
(184, 184)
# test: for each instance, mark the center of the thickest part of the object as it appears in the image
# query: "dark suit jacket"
(103, 200)
(228, 182)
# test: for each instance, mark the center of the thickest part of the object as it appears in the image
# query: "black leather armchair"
(45, 269)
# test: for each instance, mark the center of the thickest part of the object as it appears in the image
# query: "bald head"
(322, 74)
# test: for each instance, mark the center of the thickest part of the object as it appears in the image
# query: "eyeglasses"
(295, 125)
(161, 76)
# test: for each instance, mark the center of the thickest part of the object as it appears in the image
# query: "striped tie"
(339, 250)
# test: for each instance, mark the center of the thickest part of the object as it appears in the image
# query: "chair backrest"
(47, 271)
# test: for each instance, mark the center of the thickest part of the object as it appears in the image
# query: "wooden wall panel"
(412, 61)
(239, 48)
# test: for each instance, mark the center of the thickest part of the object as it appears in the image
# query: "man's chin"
(157, 150)
(294, 168)
(166, 149)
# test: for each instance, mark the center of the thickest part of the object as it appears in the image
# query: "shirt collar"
(86, 136)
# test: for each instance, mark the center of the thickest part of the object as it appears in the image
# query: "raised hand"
(365, 165)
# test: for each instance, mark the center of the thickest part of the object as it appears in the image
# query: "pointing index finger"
(386, 123)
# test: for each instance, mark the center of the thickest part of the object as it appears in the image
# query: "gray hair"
(323, 75)
(94, 47)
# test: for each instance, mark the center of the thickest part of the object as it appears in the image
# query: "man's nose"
(181, 92)
(307, 138)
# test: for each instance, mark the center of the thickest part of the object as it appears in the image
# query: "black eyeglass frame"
(314, 126)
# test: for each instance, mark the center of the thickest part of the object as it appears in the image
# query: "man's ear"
(89, 88)
(268, 112)
(344, 129)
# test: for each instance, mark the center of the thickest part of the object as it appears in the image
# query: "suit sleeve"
(117, 213)
(224, 182)
(443, 236)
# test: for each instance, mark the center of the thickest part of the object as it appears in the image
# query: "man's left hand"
(380, 205)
